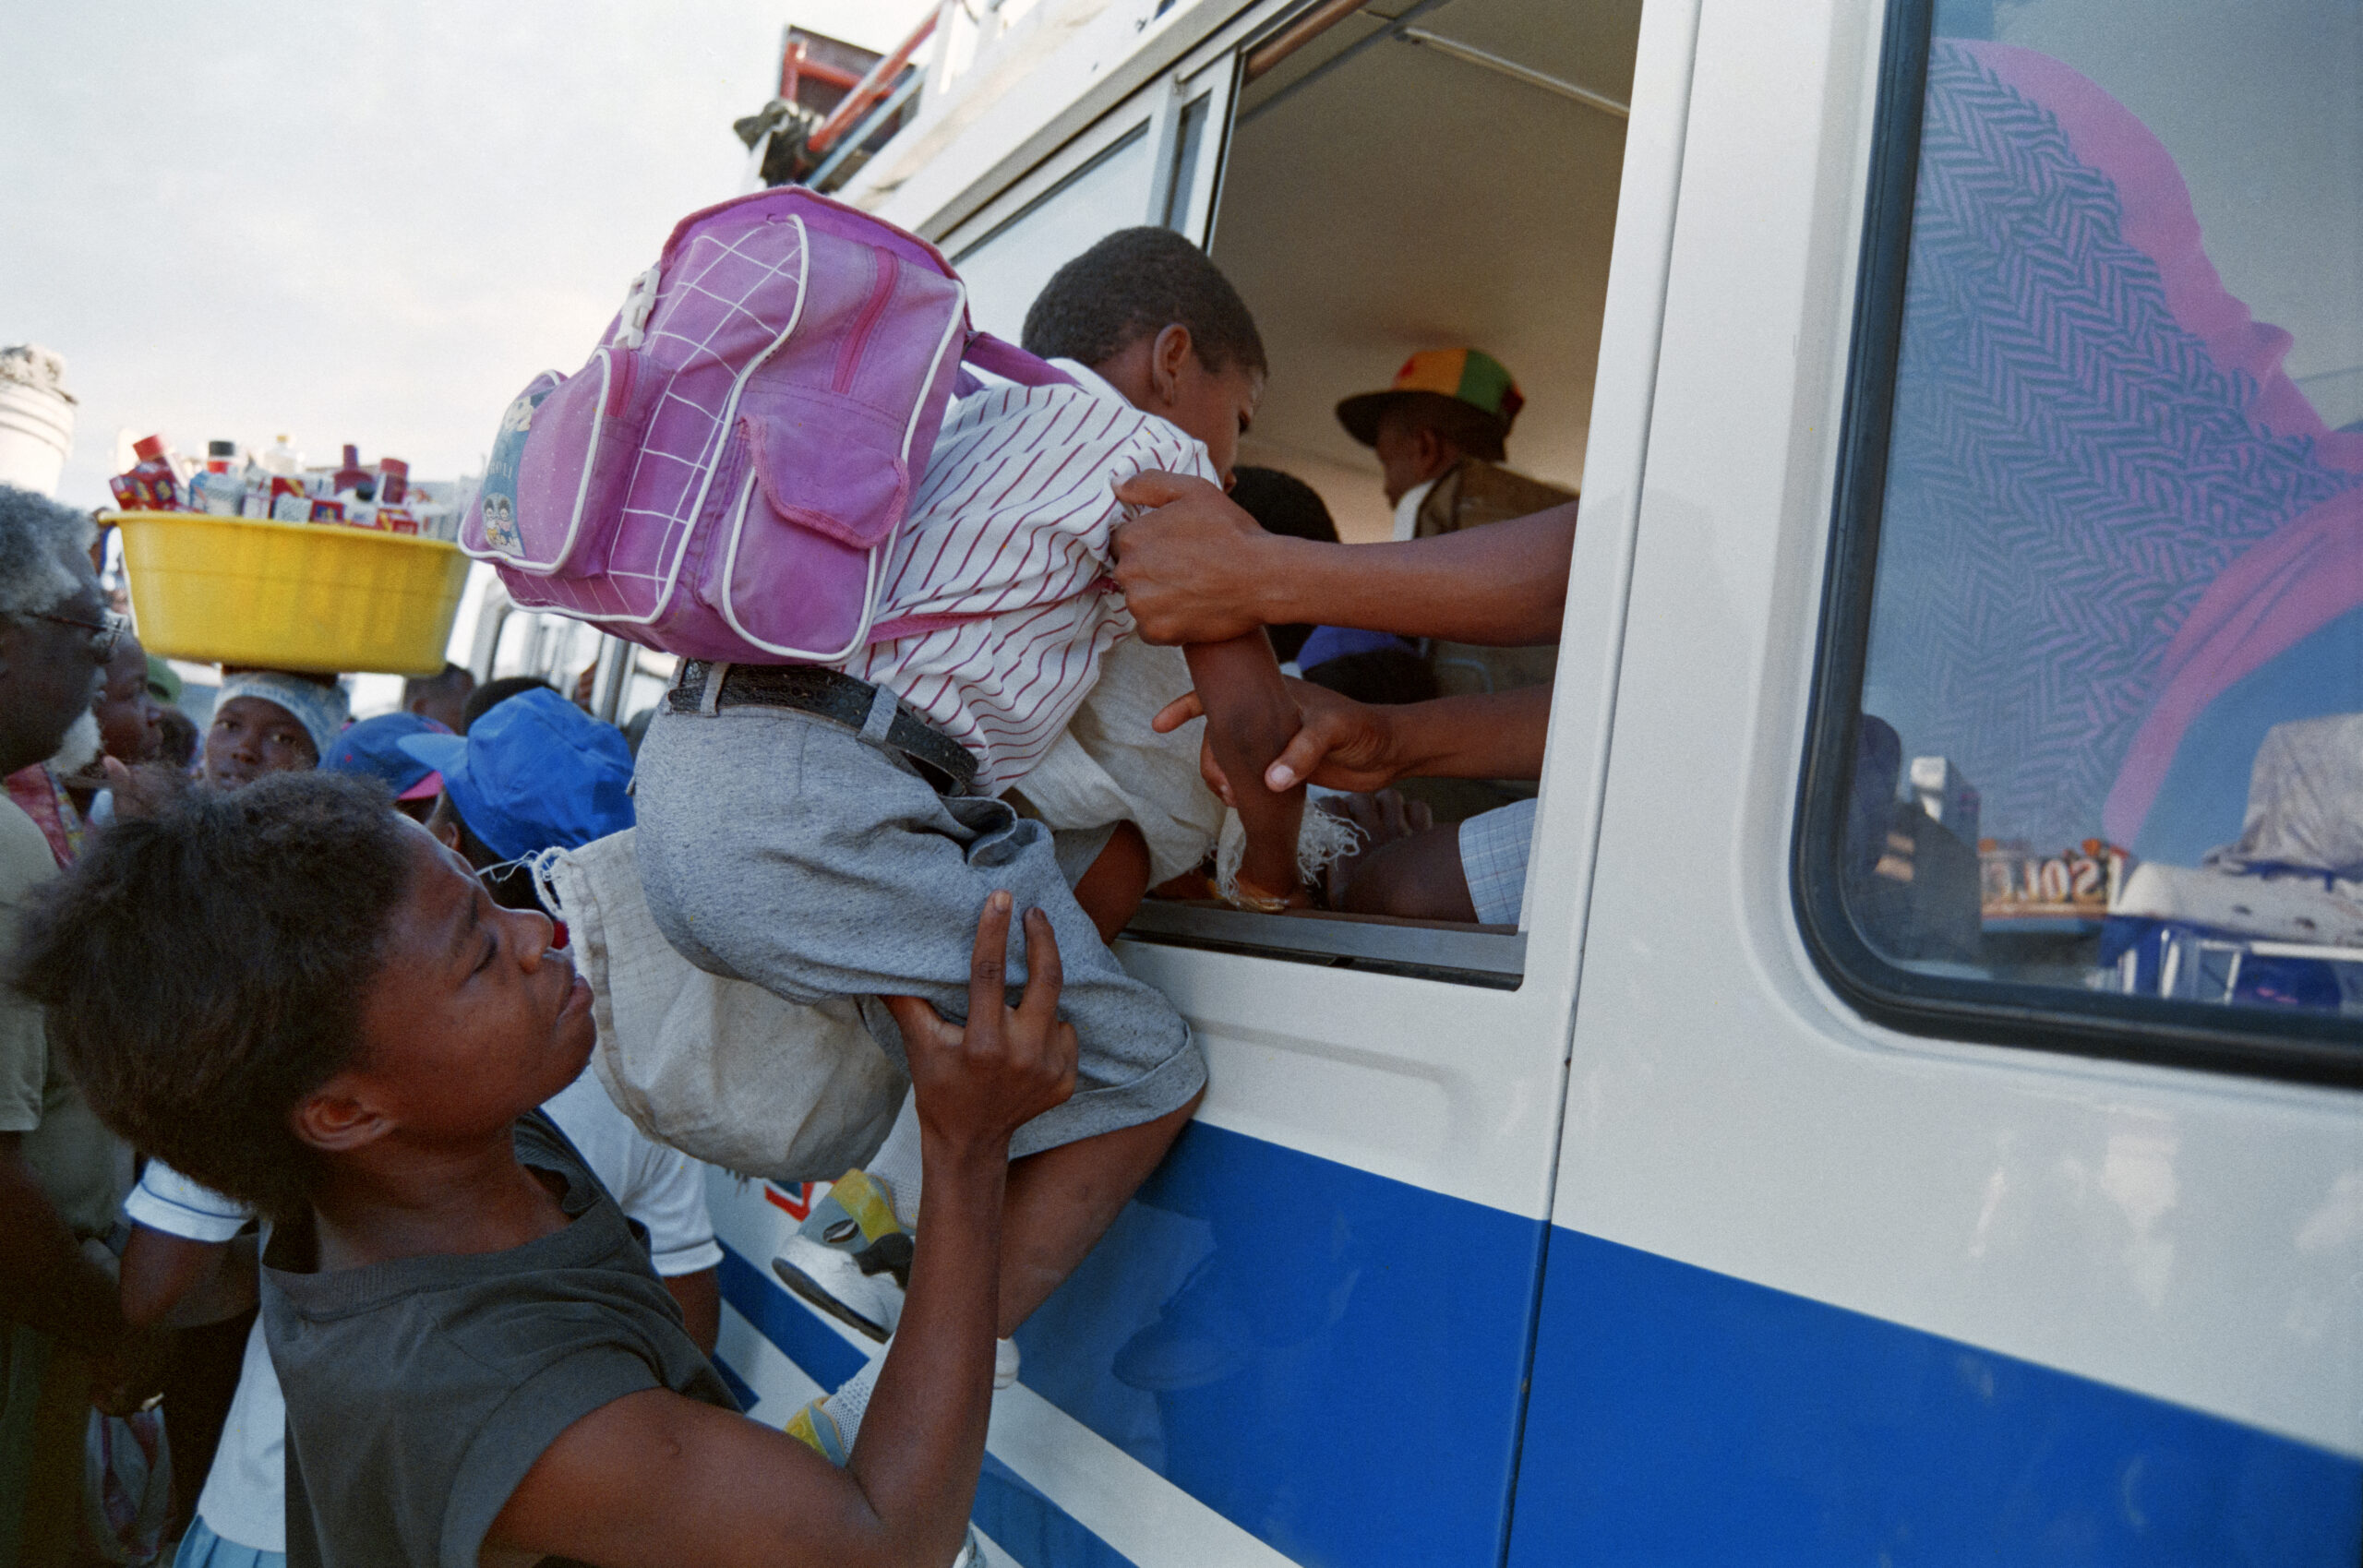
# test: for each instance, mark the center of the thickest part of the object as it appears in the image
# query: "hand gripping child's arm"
(1250, 719)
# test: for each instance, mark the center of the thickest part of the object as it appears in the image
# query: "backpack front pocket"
(583, 440)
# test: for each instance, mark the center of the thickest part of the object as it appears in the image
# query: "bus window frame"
(1485, 957)
(2254, 1042)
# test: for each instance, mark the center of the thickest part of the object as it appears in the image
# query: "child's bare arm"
(1250, 719)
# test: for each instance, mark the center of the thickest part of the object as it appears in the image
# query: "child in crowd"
(272, 721)
(832, 832)
(476, 1357)
(372, 748)
(533, 773)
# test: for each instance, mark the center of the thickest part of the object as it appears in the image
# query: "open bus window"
(1402, 184)
(2089, 746)
(1380, 187)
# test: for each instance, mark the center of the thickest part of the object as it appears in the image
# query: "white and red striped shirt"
(1011, 527)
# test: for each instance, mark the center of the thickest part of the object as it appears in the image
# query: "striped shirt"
(1010, 531)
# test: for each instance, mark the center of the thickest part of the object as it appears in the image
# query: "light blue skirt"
(202, 1548)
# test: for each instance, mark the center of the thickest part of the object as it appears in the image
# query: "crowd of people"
(295, 1135)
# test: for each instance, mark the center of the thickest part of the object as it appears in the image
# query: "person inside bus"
(62, 1174)
(475, 1354)
(1195, 565)
(441, 697)
(1441, 433)
(272, 721)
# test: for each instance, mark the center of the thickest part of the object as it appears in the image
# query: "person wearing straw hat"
(1441, 432)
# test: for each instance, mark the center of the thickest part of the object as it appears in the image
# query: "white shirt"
(1009, 533)
(244, 1500)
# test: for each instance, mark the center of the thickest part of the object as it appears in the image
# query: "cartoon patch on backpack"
(497, 501)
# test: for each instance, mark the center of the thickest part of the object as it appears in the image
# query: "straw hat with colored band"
(1466, 376)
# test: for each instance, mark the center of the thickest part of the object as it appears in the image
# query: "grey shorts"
(777, 846)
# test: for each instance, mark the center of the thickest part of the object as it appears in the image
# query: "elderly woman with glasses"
(63, 1338)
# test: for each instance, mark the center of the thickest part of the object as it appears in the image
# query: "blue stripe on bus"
(1028, 1525)
(1033, 1530)
(1683, 1416)
(1329, 1358)
(803, 1337)
(740, 1389)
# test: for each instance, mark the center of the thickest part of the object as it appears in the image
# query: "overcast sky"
(367, 223)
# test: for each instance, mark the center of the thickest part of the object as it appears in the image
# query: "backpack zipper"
(881, 289)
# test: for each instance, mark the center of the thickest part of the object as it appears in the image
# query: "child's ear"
(1166, 357)
(339, 1117)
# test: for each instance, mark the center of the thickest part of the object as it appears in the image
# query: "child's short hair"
(204, 970)
(1134, 284)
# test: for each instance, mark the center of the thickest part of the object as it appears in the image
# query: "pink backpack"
(724, 478)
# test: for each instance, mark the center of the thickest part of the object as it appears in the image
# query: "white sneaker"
(1004, 1363)
(870, 1304)
(972, 1552)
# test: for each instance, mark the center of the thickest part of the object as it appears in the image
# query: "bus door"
(1307, 1340)
(1962, 1159)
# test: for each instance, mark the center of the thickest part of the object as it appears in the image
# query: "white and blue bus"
(1915, 1119)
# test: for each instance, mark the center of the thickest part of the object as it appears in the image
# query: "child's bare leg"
(1061, 1200)
(1250, 719)
(1112, 890)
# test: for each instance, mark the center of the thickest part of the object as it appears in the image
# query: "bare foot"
(1383, 817)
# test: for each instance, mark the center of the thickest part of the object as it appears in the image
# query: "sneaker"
(816, 1429)
(851, 1257)
(832, 1280)
(972, 1552)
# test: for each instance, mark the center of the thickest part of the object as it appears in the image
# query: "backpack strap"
(1006, 360)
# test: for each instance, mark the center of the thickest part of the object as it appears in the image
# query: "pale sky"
(362, 222)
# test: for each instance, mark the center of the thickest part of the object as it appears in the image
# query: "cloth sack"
(722, 1070)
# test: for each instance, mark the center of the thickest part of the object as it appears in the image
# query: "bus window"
(1397, 186)
(1378, 189)
(2087, 767)
(1008, 267)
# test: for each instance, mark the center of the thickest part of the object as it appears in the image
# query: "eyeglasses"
(105, 633)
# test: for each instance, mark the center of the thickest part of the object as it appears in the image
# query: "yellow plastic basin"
(291, 595)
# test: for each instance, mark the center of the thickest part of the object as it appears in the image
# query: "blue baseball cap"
(535, 773)
(374, 747)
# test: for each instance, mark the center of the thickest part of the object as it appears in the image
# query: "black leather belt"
(946, 764)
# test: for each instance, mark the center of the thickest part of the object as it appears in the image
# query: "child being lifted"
(834, 832)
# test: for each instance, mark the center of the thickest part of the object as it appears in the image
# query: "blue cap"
(535, 773)
(374, 747)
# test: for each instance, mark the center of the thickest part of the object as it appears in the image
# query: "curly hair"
(1134, 284)
(36, 535)
(204, 970)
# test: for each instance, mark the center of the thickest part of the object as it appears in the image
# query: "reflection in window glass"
(1182, 178)
(1009, 266)
(2112, 711)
